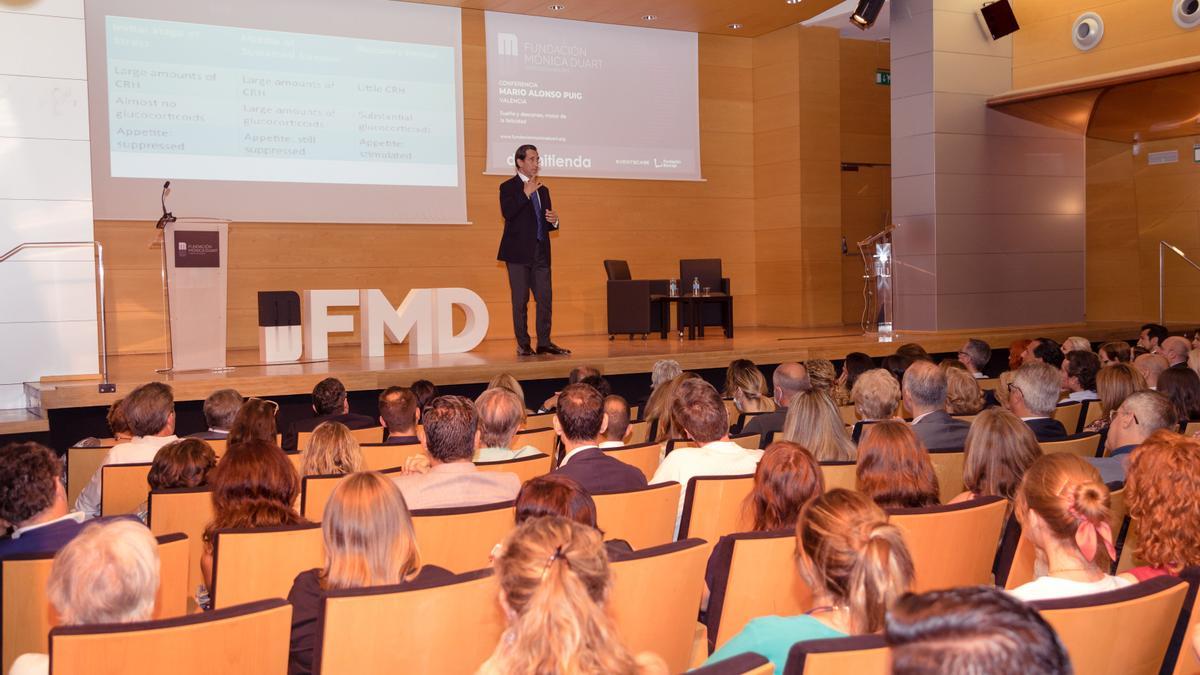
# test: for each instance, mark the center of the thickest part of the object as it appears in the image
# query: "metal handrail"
(98, 250)
(1162, 277)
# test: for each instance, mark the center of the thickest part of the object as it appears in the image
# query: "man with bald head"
(1151, 366)
(924, 392)
(1175, 349)
(789, 379)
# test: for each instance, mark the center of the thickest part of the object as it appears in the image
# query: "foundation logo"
(507, 45)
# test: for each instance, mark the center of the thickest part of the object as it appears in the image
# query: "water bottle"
(674, 288)
(695, 285)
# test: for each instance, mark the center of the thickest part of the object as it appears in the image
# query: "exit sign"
(883, 77)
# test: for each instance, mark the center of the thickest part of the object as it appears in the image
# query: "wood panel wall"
(652, 224)
(1137, 33)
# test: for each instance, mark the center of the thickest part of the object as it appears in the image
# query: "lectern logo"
(507, 45)
(183, 246)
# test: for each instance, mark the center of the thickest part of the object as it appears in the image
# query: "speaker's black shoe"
(551, 348)
(523, 350)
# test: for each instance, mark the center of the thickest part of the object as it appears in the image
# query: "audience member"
(876, 395)
(1000, 448)
(452, 480)
(815, 423)
(1175, 349)
(1163, 494)
(822, 377)
(617, 429)
(856, 565)
(1005, 387)
(107, 575)
(924, 393)
(369, 541)
(555, 579)
(661, 374)
(896, 364)
(975, 629)
(789, 379)
(501, 416)
(1016, 353)
(1079, 370)
(577, 374)
(1114, 384)
(745, 384)
(425, 391)
(894, 468)
(399, 413)
(597, 382)
(117, 424)
(1152, 336)
(254, 485)
(963, 395)
(1033, 395)
(150, 412)
(33, 501)
(1151, 366)
(856, 364)
(329, 402)
(507, 381)
(914, 352)
(1194, 338)
(331, 450)
(579, 421)
(1182, 386)
(1114, 352)
(701, 412)
(658, 410)
(1193, 362)
(220, 408)
(558, 495)
(975, 355)
(1043, 350)
(185, 463)
(1063, 508)
(1076, 343)
(255, 421)
(1140, 415)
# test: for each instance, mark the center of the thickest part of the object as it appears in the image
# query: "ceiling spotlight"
(735, 26)
(865, 14)
(649, 17)
(557, 8)
(793, 2)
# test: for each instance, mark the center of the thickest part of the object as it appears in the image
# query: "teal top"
(773, 636)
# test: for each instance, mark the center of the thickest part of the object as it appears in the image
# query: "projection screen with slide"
(277, 110)
(599, 101)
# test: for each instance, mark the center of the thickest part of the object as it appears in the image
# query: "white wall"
(48, 303)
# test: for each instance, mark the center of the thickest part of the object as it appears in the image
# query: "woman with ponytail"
(1063, 508)
(369, 541)
(855, 564)
(554, 583)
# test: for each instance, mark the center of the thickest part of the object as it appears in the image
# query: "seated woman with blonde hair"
(555, 582)
(745, 384)
(855, 563)
(813, 422)
(876, 395)
(963, 394)
(332, 449)
(1063, 508)
(999, 449)
(894, 468)
(369, 541)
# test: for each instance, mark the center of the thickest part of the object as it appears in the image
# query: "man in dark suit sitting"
(330, 404)
(924, 393)
(220, 408)
(399, 414)
(789, 379)
(579, 422)
(34, 501)
(1141, 414)
(1033, 395)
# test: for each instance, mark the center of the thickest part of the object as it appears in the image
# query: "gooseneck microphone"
(166, 215)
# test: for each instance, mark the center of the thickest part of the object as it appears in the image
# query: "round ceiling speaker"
(1087, 31)
(1186, 13)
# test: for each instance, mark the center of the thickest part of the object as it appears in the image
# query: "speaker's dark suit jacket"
(519, 242)
(597, 472)
(1046, 429)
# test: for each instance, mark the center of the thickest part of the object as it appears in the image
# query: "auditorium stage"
(620, 356)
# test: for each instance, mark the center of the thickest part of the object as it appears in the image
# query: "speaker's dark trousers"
(525, 278)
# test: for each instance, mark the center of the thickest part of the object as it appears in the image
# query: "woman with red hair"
(1014, 352)
(894, 468)
(1163, 488)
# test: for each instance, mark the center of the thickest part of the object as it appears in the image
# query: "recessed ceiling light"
(557, 8)
(649, 17)
(735, 26)
(793, 2)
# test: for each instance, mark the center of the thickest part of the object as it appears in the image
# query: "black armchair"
(709, 272)
(629, 307)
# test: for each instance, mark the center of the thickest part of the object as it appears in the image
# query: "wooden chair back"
(654, 598)
(848, 413)
(381, 456)
(989, 383)
(258, 563)
(1068, 414)
(949, 469)
(952, 545)
(542, 438)
(747, 663)
(28, 616)
(1084, 446)
(1191, 428)
(82, 464)
(861, 655)
(713, 506)
(644, 517)
(297, 460)
(748, 441)
(645, 456)
(1127, 559)
(251, 638)
(673, 444)
(1092, 411)
(524, 467)
(731, 409)
(366, 435)
(839, 475)
(219, 446)
(461, 538)
(539, 421)
(640, 432)
(1022, 569)
(753, 574)
(315, 492)
(123, 488)
(1181, 656)
(1123, 631)
(186, 510)
(447, 628)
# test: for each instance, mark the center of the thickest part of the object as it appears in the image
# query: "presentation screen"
(598, 100)
(277, 110)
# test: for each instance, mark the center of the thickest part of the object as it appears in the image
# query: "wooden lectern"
(195, 271)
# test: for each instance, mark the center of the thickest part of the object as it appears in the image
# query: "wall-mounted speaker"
(1087, 31)
(1000, 18)
(1186, 13)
